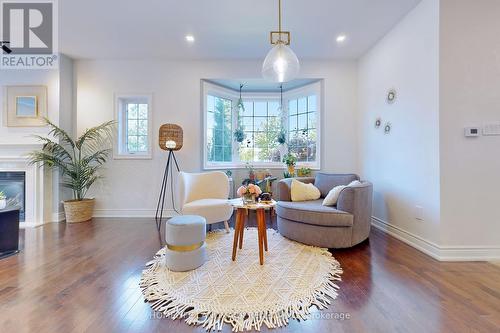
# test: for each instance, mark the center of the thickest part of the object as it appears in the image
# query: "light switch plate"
(492, 128)
(471, 131)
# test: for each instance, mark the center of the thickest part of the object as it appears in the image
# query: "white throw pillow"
(303, 192)
(333, 196)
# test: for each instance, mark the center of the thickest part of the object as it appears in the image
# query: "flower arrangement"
(249, 192)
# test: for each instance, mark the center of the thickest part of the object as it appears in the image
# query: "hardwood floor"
(84, 278)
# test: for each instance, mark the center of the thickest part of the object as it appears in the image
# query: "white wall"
(132, 186)
(403, 165)
(470, 96)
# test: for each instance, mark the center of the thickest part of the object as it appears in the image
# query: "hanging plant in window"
(239, 133)
(282, 134)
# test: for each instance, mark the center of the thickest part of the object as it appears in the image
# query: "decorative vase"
(248, 199)
(78, 210)
(3, 203)
(291, 169)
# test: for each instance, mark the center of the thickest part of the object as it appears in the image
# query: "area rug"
(243, 293)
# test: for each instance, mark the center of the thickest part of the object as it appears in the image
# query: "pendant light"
(280, 64)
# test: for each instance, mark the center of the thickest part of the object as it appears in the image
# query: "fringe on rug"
(172, 307)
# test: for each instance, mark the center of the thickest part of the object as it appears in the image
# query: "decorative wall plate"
(387, 128)
(378, 122)
(391, 96)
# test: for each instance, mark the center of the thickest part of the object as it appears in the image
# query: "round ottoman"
(185, 238)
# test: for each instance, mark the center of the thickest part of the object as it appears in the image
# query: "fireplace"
(13, 186)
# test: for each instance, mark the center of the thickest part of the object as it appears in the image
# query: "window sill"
(273, 166)
(133, 157)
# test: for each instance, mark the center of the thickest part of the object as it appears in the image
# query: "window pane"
(219, 125)
(273, 108)
(143, 111)
(246, 154)
(210, 120)
(210, 103)
(248, 108)
(311, 135)
(260, 109)
(227, 153)
(302, 105)
(142, 143)
(248, 123)
(218, 153)
(132, 144)
(248, 142)
(132, 111)
(301, 152)
(142, 128)
(292, 106)
(132, 127)
(311, 103)
(292, 123)
(311, 116)
(260, 123)
(302, 121)
(218, 137)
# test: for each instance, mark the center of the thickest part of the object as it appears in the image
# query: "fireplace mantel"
(38, 204)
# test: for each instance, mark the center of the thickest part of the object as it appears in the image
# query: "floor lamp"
(170, 139)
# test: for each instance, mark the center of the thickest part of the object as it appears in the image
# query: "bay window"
(239, 134)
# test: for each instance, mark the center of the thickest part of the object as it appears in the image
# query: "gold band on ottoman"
(185, 248)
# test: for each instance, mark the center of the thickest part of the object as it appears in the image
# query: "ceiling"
(223, 29)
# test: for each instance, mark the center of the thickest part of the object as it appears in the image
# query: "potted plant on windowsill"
(290, 160)
(79, 162)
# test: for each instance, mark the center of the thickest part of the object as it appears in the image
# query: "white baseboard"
(441, 253)
(58, 217)
(143, 213)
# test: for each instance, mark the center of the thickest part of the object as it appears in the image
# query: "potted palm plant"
(79, 162)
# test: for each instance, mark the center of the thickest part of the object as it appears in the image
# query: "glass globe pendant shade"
(280, 64)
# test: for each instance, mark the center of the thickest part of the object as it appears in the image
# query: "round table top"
(238, 203)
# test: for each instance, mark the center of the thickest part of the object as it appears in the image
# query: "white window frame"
(311, 89)
(216, 90)
(120, 143)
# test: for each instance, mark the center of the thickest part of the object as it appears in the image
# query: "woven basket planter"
(79, 211)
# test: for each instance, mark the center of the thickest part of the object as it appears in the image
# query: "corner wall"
(470, 96)
(403, 165)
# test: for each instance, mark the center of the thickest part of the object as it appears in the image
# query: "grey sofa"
(309, 222)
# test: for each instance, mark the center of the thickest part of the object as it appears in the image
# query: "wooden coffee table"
(239, 226)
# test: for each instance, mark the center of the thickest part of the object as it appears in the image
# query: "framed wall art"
(26, 106)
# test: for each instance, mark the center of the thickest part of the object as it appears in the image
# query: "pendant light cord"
(279, 17)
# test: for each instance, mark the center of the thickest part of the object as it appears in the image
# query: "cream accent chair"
(206, 194)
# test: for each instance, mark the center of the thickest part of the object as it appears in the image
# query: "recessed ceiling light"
(190, 38)
(341, 38)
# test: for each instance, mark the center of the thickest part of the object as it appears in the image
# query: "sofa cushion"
(313, 212)
(213, 210)
(325, 182)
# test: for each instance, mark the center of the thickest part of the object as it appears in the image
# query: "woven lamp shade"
(170, 132)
